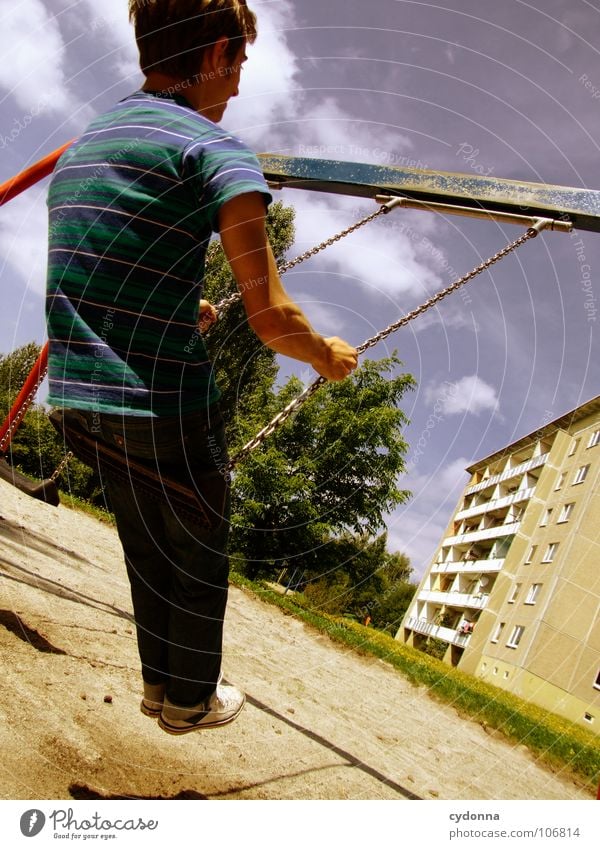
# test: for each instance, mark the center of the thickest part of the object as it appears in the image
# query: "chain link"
(294, 405)
(224, 305)
(14, 424)
(61, 466)
(383, 209)
(383, 334)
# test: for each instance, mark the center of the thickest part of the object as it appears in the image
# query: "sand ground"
(321, 722)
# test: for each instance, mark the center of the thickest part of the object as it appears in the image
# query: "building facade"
(514, 587)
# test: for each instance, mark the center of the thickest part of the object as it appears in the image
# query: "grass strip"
(73, 502)
(560, 744)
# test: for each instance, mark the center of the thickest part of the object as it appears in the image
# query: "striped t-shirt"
(132, 205)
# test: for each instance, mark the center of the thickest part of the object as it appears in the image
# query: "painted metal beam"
(581, 207)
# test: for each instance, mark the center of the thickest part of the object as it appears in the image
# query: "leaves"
(36, 448)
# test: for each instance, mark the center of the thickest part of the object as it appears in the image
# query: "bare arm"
(275, 318)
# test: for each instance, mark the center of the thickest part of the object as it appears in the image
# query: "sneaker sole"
(148, 711)
(176, 730)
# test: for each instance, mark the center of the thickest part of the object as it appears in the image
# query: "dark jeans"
(178, 569)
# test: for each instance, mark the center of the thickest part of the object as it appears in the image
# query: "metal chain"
(7, 438)
(531, 233)
(294, 405)
(61, 466)
(383, 209)
(292, 263)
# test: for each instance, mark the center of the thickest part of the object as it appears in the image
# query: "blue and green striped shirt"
(132, 206)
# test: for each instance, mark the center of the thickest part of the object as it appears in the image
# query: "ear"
(214, 55)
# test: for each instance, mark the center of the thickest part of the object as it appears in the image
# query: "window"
(534, 591)
(573, 448)
(561, 480)
(581, 474)
(550, 552)
(597, 681)
(498, 631)
(546, 517)
(531, 554)
(565, 513)
(588, 717)
(515, 637)
(594, 439)
(514, 593)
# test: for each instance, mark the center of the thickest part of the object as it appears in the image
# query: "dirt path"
(321, 722)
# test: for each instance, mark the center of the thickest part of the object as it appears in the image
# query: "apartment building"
(514, 587)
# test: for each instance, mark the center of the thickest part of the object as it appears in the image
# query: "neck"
(197, 93)
(157, 81)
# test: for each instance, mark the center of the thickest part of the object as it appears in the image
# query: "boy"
(132, 205)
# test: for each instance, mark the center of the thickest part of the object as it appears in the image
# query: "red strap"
(17, 184)
(8, 190)
(23, 399)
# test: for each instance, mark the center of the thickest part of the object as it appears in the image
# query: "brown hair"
(172, 35)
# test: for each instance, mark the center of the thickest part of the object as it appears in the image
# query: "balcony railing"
(485, 533)
(490, 565)
(475, 601)
(430, 629)
(497, 504)
(533, 463)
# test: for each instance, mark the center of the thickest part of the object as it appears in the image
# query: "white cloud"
(470, 394)
(33, 57)
(273, 112)
(24, 238)
(327, 131)
(268, 87)
(381, 258)
(110, 22)
(417, 528)
(327, 318)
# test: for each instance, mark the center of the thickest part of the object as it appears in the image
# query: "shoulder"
(212, 140)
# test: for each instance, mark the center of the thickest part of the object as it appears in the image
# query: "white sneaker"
(223, 706)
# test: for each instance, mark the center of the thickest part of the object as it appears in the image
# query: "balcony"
(475, 601)
(486, 533)
(497, 504)
(521, 469)
(490, 565)
(449, 635)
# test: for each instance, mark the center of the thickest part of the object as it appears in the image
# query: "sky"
(507, 89)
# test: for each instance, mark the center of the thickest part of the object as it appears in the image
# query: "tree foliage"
(332, 469)
(36, 448)
(14, 369)
(362, 580)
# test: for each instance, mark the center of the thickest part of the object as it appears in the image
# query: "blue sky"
(507, 89)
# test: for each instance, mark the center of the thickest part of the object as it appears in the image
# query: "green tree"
(36, 448)
(388, 611)
(330, 470)
(14, 369)
(361, 579)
